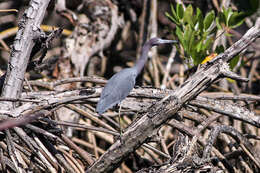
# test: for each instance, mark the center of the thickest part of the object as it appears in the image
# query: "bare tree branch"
(29, 28)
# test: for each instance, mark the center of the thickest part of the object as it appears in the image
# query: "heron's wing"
(117, 89)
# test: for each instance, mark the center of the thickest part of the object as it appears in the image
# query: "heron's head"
(157, 41)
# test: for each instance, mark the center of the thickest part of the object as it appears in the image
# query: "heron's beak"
(167, 41)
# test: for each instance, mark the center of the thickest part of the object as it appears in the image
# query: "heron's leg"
(119, 120)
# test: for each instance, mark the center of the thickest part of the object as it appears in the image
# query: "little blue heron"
(120, 84)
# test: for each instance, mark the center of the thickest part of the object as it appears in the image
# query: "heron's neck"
(142, 60)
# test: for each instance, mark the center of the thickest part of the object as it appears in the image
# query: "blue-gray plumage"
(119, 85)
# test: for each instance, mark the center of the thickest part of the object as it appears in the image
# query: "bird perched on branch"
(120, 84)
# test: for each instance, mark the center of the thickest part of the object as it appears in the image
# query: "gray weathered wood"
(29, 27)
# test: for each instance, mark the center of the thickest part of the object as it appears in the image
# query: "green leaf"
(213, 30)
(180, 11)
(227, 14)
(242, 62)
(195, 57)
(234, 62)
(222, 19)
(206, 44)
(198, 57)
(179, 34)
(191, 41)
(236, 19)
(199, 46)
(231, 80)
(199, 19)
(228, 34)
(173, 12)
(188, 15)
(218, 23)
(209, 19)
(172, 18)
(187, 37)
